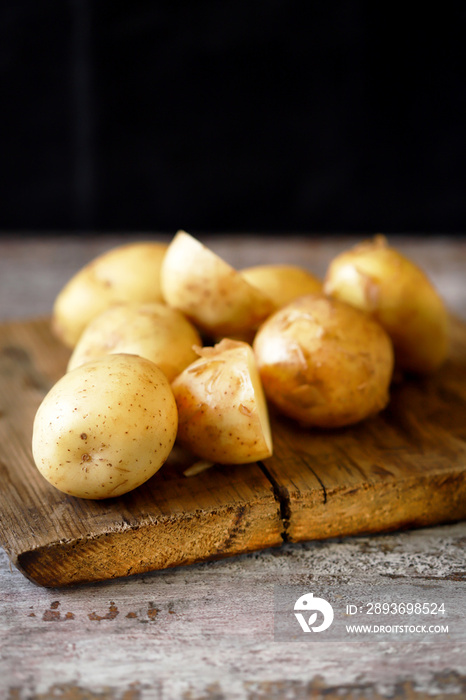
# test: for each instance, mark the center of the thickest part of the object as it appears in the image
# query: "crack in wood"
(308, 466)
(282, 496)
(235, 530)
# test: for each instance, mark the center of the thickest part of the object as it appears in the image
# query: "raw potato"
(324, 363)
(379, 280)
(222, 409)
(105, 428)
(282, 283)
(155, 331)
(127, 273)
(214, 295)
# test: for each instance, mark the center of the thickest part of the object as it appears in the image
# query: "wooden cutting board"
(404, 468)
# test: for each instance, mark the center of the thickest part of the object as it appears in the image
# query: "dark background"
(232, 116)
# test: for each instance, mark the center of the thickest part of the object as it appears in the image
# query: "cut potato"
(154, 331)
(222, 410)
(381, 281)
(127, 273)
(215, 296)
(282, 283)
(324, 363)
(106, 427)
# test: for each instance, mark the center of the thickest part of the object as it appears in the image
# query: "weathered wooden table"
(207, 631)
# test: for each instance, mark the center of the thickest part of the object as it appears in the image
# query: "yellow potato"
(381, 281)
(221, 405)
(106, 427)
(214, 295)
(127, 273)
(282, 283)
(154, 331)
(324, 363)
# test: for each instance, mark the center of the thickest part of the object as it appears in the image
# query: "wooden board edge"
(419, 502)
(161, 544)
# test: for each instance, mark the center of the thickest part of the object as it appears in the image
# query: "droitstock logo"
(312, 605)
(369, 612)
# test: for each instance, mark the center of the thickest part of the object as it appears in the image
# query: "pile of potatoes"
(169, 342)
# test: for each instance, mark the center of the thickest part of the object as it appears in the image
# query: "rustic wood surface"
(206, 631)
(57, 540)
(402, 468)
(406, 466)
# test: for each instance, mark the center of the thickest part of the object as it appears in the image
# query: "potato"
(214, 296)
(381, 281)
(282, 283)
(222, 410)
(127, 273)
(324, 363)
(106, 427)
(154, 331)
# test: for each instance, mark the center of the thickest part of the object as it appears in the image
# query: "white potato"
(127, 273)
(106, 427)
(221, 405)
(215, 296)
(154, 331)
(323, 362)
(282, 283)
(382, 282)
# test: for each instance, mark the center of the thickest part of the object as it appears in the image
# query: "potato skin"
(212, 294)
(129, 272)
(222, 410)
(154, 331)
(282, 283)
(382, 282)
(324, 363)
(105, 428)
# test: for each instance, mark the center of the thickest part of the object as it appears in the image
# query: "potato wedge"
(222, 410)
(212, 294)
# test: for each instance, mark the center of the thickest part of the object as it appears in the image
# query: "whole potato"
(105, 428)
(379, 280)
(127, 273)
(282, 283)
(222, 410)
(155, 331)
(214, 296)
(324, 363)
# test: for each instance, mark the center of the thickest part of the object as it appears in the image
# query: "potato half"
(324, 363)
(379, 280)
(214, 296)
(222, 410)
(155, 331)
(106, 427)
(282, 283)
(127, 273)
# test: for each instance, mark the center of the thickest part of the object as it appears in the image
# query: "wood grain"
(207, 630)
(56, 539)
(406, 467)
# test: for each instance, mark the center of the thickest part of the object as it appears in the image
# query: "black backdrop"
(232, 116)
